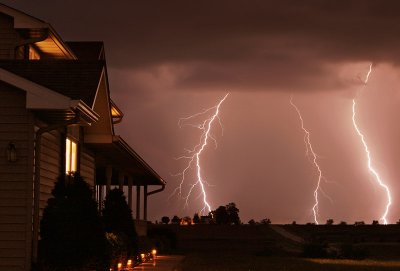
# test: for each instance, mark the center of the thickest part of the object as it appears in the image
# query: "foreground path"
(287, 234)
(162, 263)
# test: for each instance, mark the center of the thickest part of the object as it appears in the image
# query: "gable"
(103, 129)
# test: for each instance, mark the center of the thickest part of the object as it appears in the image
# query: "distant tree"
(228, 214)
(329, 221)
(117, 218)
(252, 222)
(72, 233)
(196, 218)
(359, 223)
(176, 220)
(294, 222)
(398, 222)
(375, 222)
(221, 215)
(165, 220)
(343, 223)
(265, 221)
(233, 214)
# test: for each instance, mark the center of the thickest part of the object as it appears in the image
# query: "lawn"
(233, 262)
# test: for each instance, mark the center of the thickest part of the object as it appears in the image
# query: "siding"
(50, 165)
(87, 167)
(8, 37)
(15, 181)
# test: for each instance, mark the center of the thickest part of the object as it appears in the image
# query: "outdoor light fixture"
(11, 153)
(119, 266)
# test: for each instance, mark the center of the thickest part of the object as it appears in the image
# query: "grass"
(251, 248)
(236, 262)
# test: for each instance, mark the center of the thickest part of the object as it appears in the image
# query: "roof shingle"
(73, 78)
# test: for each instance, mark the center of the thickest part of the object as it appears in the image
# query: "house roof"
(75, 79)
(39, 32)
(122, 157)
(87, 50)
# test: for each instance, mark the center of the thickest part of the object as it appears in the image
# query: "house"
(56, 116)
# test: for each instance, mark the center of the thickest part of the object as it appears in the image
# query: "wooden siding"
(15, 180)
(8, 37)
(87, 166)
(50, 165)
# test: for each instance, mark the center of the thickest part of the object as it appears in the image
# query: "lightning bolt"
(195, 153)
(367, 151)
(314, 159)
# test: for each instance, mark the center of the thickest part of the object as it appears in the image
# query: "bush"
(117, 218)
(72, 235)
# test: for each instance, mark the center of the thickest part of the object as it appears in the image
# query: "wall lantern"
(11, 153)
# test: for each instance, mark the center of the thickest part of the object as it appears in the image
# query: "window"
(71, 155)
(33, 54)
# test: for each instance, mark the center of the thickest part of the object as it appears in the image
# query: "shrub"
(117, 218)
(72, 235)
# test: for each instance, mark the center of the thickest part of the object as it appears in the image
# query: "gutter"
(36, 189)
(156, 191)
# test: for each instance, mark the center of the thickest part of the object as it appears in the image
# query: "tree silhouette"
(165, 219)
(196, 218)
(329, 221)
(233, 213)
(72, 235)
(117, 217)
(176, 220)
(228, 214)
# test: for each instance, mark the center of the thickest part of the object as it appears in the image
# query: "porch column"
(108, 177)
(145, 204)
(100, 196)
(130, 192)
(121, 181)
(137, 202)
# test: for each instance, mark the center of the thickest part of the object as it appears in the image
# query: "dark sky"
(170, 59)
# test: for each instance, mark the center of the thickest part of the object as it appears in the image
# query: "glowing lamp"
(154, 252)
(142, 256)
(11, 153)
(129, 263)
(119, 266)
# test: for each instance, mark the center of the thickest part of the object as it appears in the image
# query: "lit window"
(33, 55)
(71, 155)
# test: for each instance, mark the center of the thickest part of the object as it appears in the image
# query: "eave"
(47, 103)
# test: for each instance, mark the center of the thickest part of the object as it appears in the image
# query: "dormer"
(28, 38)
(116, 113)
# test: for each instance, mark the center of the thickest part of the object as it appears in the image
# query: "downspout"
(36, 190)
(148, 194)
